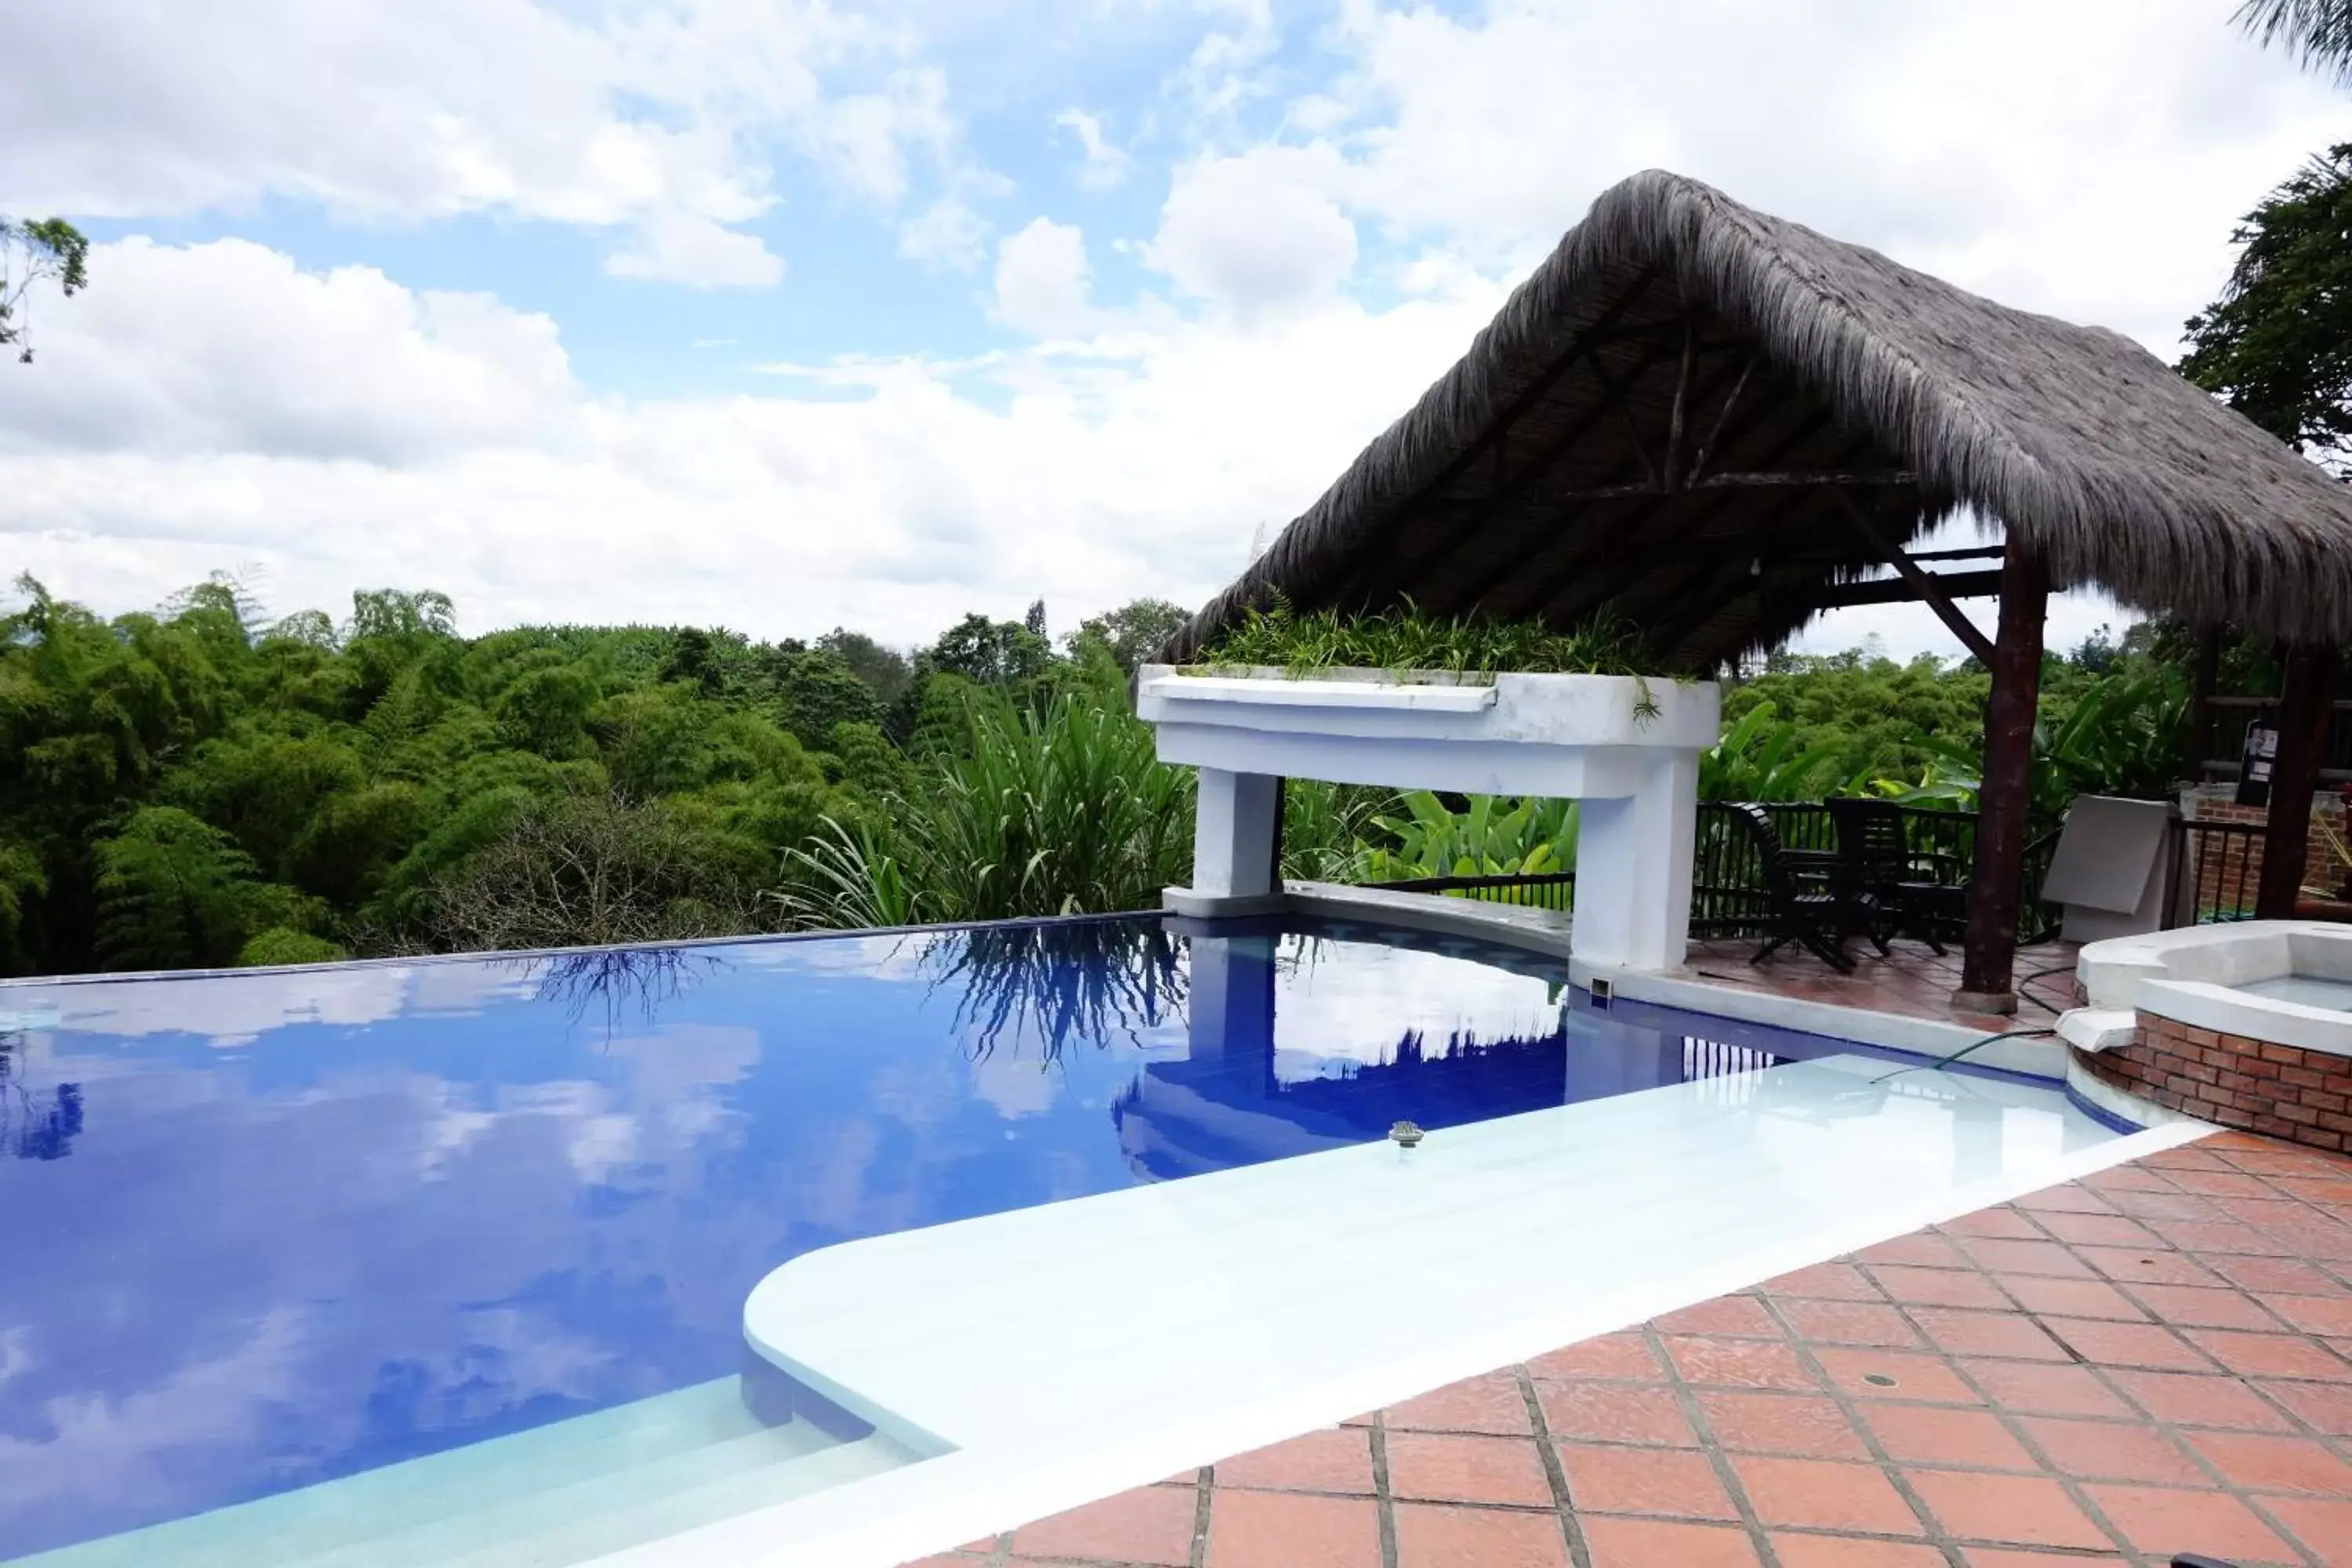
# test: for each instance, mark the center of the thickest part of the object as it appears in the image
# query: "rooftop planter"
(1624, 742)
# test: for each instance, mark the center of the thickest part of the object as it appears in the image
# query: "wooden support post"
(2306, 697)
(2004, 790)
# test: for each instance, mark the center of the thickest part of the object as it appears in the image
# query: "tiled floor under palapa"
(1913, 979)
(2156, 1359)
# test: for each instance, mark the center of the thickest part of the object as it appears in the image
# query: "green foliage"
(2120, 737)
(203, 785)
(1880, 719)
(23, 881)
(281, 945)
(1491, 837)
(1762, 756)
(175, 892)
(1329, 830)
(1405, 639)
(1134, 631)
(40, 250)
(2278, 345)
(886, 671)
(594, 868)
(870, 765)
(2318, 32)
(991, 653)
(818, 691)
(1046, 808)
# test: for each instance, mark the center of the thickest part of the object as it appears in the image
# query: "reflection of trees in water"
(613, 980)
(1057, 982)
(34, 1126)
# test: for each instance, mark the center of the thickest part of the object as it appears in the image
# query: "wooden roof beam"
(1975, 641)
(1510, 563)
(1499, 434)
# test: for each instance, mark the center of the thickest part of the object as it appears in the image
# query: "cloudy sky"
(781, 315)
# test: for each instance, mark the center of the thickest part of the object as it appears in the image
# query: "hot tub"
(2246, 1024)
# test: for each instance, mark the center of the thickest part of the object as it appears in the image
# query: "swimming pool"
(413, 1262)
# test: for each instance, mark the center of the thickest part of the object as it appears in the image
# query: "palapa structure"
(1720, 424)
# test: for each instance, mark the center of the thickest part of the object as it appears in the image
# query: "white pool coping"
(1237, 1308)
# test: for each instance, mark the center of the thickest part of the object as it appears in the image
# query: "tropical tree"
(2319, 32)
(1762, 756)
(2278, 345)
(1135, 630)
(39, 251)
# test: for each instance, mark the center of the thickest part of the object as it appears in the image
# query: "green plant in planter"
(1406, 639)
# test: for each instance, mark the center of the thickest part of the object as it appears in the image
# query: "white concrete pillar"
(1234, 834)
(1634, 861)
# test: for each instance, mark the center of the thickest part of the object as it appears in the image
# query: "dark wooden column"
(2305, 698)
(2004, 790)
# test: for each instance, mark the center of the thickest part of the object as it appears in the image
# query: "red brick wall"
(2234, 866)
(2252, 1085)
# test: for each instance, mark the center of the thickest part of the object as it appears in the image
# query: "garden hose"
(1940, 1063)
(2041, 974)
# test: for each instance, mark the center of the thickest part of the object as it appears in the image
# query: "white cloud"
(1257, 234)
(1105, 166)
(655, 121)
(1042, 280)
(682, 248)
(2086, 159)
(204, 406)
(229, 347)
(948, 234)
(382, 436)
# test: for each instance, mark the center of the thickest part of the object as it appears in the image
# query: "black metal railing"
(1728, 893)
(1546, 891)
(2218, 870)
(1728, 896)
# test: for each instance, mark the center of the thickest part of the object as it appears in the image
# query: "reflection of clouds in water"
(1358, 1010)
(450, 1126)
(1016, 1086)
(236, 1009)
(148, 1405)
(114, 1450)
(896, 957)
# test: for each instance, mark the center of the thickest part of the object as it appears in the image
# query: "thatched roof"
(1541, 476)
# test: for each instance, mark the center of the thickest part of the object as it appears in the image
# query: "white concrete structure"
(2286, 980)
(1627, 748)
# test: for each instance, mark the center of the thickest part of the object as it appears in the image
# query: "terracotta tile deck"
(1914, 980)
(2155, 1359)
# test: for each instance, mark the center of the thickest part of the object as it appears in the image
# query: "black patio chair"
(1806, 908)
(1890, 889)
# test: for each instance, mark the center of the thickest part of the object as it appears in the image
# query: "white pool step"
(553, 1495)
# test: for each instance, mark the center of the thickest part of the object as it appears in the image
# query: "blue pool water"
(269, 1230)
(272, 1229)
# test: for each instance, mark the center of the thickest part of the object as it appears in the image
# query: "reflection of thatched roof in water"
(1542, 475)
(1182, 1118)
